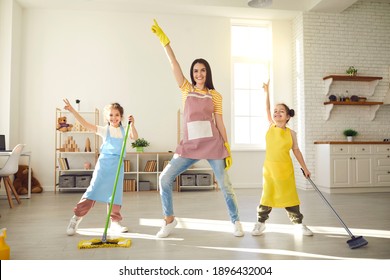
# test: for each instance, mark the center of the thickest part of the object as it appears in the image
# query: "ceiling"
(280, 9)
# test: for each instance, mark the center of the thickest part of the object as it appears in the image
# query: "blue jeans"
(178, 165)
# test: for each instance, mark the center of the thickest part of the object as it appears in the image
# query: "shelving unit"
(75, 159)
(369, 81)
(138, 170)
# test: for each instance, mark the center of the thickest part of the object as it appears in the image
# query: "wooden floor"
(36, 228)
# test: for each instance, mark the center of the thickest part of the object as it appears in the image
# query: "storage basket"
(67, 181)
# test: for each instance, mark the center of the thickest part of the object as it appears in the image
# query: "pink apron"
(201, 139)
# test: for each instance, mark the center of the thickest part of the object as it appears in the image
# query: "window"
(251, 59)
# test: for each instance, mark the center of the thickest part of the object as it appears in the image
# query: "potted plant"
(350, 133)
(140, 144)
(351, 71)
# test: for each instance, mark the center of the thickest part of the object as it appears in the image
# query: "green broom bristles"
(98, 243)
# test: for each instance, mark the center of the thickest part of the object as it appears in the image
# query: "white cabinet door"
(352, 166)
(361, 171)
(341, 171)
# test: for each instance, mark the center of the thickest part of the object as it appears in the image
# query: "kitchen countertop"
(352, 143)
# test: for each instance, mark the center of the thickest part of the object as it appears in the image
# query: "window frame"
(248, 60)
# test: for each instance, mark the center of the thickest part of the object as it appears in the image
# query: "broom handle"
(327, 202)
(104, 238)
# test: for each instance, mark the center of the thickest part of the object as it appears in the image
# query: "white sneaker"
(258, 229)
(166, 229)
(238, 232)
(117, 227)
(302, 229)
(73, 224)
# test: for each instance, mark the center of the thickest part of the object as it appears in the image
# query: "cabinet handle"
(363, 149)
(341, 149)
(350, 158)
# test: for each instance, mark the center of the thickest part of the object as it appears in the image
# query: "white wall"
(331, 43)
(102, 57)
(10, 44)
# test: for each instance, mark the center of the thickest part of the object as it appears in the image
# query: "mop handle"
(327, 202)
(104, 238)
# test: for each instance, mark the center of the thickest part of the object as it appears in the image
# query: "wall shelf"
(369, 85)
(372, 81)
(374, 106)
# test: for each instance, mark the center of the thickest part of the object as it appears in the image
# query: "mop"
(355, 241)
(104, 242)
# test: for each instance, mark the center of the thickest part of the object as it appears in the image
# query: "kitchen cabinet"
(352, 167)
(382, 165)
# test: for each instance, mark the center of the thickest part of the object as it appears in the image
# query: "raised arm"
(165, 42)
(87, 125)
(133, 130)
(267, 101)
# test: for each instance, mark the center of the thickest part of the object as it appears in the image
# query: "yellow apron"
(279, 189)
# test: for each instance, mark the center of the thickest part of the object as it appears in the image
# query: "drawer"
(82, 181)
(67, 181)
(203, 179)
(188, 179)
(340, 149)
(144, 186)
(382, 178)
(382, 162)
(362, 149)
(382, 149)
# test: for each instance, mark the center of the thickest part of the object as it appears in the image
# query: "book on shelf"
(63, 163)
(129, 185)
(66, 163)
(150, 166)
(127, 165)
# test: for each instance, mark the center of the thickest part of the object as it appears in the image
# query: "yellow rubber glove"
(228, 159)
(160, 34)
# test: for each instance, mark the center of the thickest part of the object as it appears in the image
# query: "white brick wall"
(359, 36)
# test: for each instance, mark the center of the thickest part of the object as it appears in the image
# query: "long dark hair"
(209, 77)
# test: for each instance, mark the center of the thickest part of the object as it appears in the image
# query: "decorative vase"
(349, 138)
(139, 149)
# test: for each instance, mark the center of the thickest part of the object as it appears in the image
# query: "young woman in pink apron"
(103, 178)
(204, 137)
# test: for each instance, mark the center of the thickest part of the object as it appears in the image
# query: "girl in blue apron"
(204, 137)
(103, 178)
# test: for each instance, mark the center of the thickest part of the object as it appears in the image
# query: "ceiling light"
(259, 3)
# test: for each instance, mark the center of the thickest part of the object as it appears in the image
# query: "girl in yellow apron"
(279, 189)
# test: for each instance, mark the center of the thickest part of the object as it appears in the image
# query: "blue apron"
(103, 178)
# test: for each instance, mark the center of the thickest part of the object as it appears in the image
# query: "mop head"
(357, 242)
(109, 243)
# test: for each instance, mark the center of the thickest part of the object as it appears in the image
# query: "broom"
(354, 242)
(104, 242)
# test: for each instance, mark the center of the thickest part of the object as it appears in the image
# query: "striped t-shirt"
(216, 96)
